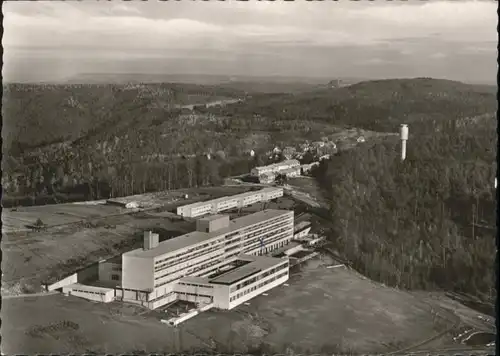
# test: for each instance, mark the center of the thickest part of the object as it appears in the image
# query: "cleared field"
(36, 325)
(326, 310)
(21, 218)
(321, 310)
(53, 215)
(35, 256)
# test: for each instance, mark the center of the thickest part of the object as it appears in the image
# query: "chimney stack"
(151, 240)
(404, 138)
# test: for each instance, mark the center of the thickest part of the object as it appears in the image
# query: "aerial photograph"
(249, 177)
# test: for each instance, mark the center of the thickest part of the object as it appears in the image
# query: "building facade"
(230, 202)
(274, 168)
(150, 275)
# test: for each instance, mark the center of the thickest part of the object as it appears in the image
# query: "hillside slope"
(427, 222)
(37, 115)
(379, 105)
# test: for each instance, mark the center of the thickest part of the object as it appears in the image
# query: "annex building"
(275, 168)
(215, 206)
(222, 264)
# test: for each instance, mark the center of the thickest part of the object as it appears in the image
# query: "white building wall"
(63, 282)
(137, 273)
(257, 292)
(221, 296)
(104, 296)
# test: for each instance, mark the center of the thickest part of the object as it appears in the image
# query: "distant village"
(290, 165)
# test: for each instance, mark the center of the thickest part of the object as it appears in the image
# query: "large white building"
(219, 258)
(230, 202)
(275, 167)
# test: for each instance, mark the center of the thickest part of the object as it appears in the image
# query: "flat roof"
(228, 197)
(236, 275)
(279, 164)
(301, 225)
(197, 237)
(258, 264)
(213, 217)
(195, 280)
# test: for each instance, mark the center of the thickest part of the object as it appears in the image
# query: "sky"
(56, 40)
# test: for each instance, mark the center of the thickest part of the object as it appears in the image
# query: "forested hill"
(427, 222)
(381, 105)
(35, 115)
(102, 140)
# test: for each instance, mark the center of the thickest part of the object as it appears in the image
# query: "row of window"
(227, 204)
(189, 271)
(265, 224)
(196, 295)
(258, 230)
(260, 285)
(236, 243)
(89, 292)
(178, 258)
(264, 237)
(188, 251)
(195, 285)
(269, 242)
(186, 269)
(183, 259)
(259, 277)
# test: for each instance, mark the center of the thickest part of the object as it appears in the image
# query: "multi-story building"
(275, 167)
(267, 178)
(230, 202)
(291, 172)
(150, 275)
(247, 277)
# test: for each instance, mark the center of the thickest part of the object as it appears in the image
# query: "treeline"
(427, 222)
(126, 178)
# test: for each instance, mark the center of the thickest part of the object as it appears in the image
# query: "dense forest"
(424, 223)
(379, 105)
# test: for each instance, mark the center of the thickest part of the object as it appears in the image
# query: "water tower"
(404, 138)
